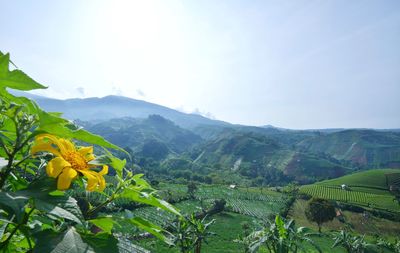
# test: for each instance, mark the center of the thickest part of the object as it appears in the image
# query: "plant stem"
(24, 221)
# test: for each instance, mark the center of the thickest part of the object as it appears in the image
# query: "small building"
(232, 186)
(344, 187)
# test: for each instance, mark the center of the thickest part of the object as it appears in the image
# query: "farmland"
(243, 206)
(368, 189)
(243, 201)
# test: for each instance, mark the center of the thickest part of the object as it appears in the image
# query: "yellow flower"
(69, 162)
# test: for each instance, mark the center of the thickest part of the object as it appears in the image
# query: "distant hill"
(154, 136)
(110, 107)
(257, 156)
(363, 148)
(170, 142)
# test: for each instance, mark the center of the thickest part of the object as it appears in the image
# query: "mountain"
(362, 148)
(171, 143)
(110, 107)
(153, 136)
(264, 160)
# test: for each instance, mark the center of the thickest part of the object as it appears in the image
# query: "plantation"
(368, 189)
(249, 203)
(371, 179)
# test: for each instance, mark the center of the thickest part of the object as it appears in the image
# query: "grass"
(353, 221)
(222, 242)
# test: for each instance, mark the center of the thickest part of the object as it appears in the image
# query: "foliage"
(34, 215)
(190, 232)
(279, 237)
(384, 244)
(352, 244)
(191, 189)
(320, 211)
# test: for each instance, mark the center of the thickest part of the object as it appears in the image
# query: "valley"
(255, 172)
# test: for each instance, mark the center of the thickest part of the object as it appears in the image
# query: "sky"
(296, 64)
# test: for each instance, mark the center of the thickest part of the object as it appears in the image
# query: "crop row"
(356, 197)
(215, 193)
(259, 209)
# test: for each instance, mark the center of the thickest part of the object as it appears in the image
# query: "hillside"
(150, 137)
(264, 160)
(369, 189)
(377, 179)
(362, 148)
(261, 154)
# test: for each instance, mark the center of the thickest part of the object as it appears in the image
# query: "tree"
(320, 211)
(191, 189)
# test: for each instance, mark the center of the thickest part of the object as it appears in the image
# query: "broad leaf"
(53, 124)
(136, 195)
(14, 203)
(15, 79)
(42, 191)
(72, 242)
(101, 243)
(105, 223)
(148, 227)
(116, 163)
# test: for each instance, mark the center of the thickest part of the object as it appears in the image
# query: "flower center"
(76, 160)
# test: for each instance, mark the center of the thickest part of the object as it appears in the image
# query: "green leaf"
(14, 203)
(116, 163)
(4, 62)
(15, 79)
(72, 242)
(55, 125)
(105, 223)
(29, 105)
(61, 206)
(148, 227)
(3, 229)
(51, 242)
(102, 243)
(136, 195)
(280, 224)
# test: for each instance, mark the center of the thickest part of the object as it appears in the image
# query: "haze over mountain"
(112, 106)
(167, 143)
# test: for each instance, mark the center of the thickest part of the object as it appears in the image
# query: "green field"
(371, 179)
(252, 206)
(368, 189)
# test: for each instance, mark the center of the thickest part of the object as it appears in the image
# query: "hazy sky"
(294, 64)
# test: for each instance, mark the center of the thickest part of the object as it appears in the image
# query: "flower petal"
(87, 152)
(51, 140)
(69, 146)
(47, 147)
(102, 183)
(93, 179)
(104, 171)
(65, 178)
(55, 166)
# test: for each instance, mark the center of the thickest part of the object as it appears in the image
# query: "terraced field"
(249, 203)
(368, 189)
(259, 205)
(386, 202)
